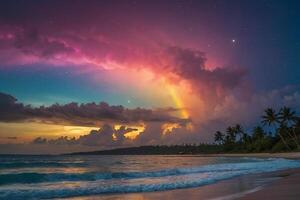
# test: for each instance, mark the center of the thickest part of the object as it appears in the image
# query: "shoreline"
(287, 187)
(271, 185)
(287, 155)
(277, 184)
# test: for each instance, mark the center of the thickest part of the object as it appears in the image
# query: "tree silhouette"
(271, 118)
(258, 133)
(230, 135)
(238, 129)
(288, 118)
(219, 137)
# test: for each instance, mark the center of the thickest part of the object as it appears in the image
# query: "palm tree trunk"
(284, 142)
(282, 138)
(295, 136)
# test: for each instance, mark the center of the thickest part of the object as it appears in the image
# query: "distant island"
(278, 132)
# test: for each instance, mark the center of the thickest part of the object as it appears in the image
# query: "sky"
(88, 75)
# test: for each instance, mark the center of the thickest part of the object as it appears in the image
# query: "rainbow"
(177, 101)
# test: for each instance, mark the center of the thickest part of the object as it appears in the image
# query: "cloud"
(31, 42)
(89, 114)
(100, 40)
(118, 42)
(10, 110)
(101, 137)
(98, 49)
(30, 45)
(232, 111)
(190, 65)
(9, 138)
(108, 137)
(39, 140)
(12, 138)
(105, 137)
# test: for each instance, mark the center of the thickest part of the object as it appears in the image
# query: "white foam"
(147, 181)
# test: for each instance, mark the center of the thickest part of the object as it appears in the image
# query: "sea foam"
(41, 185)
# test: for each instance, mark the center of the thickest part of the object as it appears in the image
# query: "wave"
(254, 166)
(94, 190)
(93, 176)
(11, 165)
(95, 183)
(97, 188)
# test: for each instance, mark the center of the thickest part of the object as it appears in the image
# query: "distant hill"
(157, 150)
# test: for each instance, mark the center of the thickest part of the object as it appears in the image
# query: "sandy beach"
(279, 185)
(287, 187)
(292, 155)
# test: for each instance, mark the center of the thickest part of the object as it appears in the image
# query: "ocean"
(47, 177)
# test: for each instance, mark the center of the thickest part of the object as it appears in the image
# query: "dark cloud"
(12, 138)
(108, 137)
(189, 64)
(105, 137)
(39, 140)
(154, 134)
(232, 111)
(63, 140)
(90, 35)
(101, 137)
(9, 138)
(89, 114)
(10, 109)
(97, 38)
(30, 41)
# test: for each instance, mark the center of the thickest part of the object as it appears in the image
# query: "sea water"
(46, 177)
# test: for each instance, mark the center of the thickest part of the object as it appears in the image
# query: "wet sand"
(292, 155)
(288, 187)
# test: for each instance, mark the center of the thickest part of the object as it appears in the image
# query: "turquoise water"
(44, 177)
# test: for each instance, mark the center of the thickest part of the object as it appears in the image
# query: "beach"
(291, 155)
(281, 185)
(278, 185)
(287, 187)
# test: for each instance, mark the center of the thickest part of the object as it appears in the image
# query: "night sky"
(166, 72)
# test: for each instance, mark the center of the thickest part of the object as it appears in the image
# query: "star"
(233, 41)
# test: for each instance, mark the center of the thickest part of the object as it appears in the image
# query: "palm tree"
(239, 131)
(219, 137)
(230, 134)
(288, 117)
(271, 118)
(246, 138)
(258, 133)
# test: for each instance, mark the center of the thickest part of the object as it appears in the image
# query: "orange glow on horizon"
(132, 134)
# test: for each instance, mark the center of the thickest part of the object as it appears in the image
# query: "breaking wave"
(41, 185)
